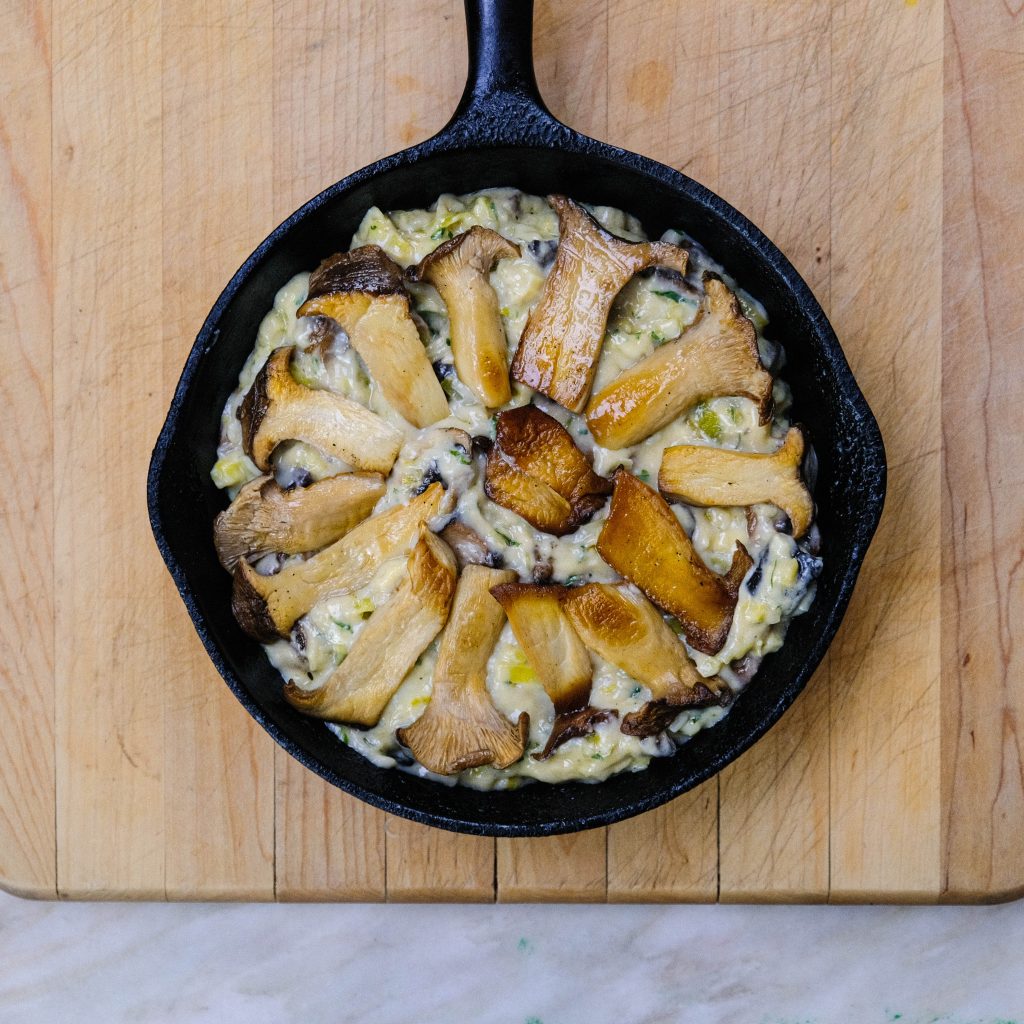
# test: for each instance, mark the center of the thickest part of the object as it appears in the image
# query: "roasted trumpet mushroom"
(389, 644)
(265, 517)
(618, 623)
(459, 269)
(278, 408)
(716, 356)
(643, 541)
(562, 340)
(535, 470)
(556, 654)
(364, 291)
(468, 546)
(461, 728)
(706, 476)
(267, 607)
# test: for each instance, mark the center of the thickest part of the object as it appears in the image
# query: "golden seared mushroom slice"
(460, 270)
(557, 656)
(715, 356)
(278, 408)
(643, 541)
(468, 546)
(461, 728)
(618, 623)
(562, 339)
(267, 607)
(387, 647)
(535, 470)
(364, 291)
(266, 517)
(707, 477)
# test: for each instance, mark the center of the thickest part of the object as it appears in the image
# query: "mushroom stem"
(557, 656)
(265, 517)
(268, 606)
(643, 541)
(278, 408)
(459, 269)
(461, 728)
(618, 623)
(705, 476)
(716, 356)
(389, 644)
(562, 340)
(364, 291)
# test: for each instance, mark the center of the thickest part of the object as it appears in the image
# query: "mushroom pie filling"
(515, 491)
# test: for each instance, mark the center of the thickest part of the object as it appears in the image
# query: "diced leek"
(521, 674)
(364, 606)
(233, 470)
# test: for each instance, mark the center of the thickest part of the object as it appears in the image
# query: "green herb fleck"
(460, 454)
(574, 580)
(597, 757)
(448, 387)
(342, 625)
(657, 337)
(508, 540)
(644, 475)
(635, 692)
(676, 625)
(671, 295)
(440, 233)
(344, 736)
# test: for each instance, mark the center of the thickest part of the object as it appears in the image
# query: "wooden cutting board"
(146, 148)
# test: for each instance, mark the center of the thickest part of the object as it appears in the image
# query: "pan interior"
(184, 500)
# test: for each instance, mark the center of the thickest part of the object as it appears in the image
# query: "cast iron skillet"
(502, 134)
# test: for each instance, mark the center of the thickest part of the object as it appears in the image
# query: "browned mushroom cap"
(461, 728)
(557, 656)
(363, 290)
(278, 408)
(265, 517)
(707, 476)
(268, 606)
(558, 351)
(643, 541)
(389, 644)
(459, 270)
(618, 623)
(716, 356)
(535, 470)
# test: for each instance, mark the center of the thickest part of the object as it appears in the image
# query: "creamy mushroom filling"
(655, 307)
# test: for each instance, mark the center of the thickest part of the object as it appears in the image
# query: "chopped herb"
(673, 296)
(461, 455)
(373, 227)
(574, 580)
(657, 337)
(440, 233)
(507, 540)
(677, 626)
(644, 475)
(635, 692)
(597, 757)
(344, 736)
(448, 387)
(342, 625)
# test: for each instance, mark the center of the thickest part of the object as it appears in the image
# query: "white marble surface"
(509, 964)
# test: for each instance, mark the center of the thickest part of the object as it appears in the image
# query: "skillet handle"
(501, 102)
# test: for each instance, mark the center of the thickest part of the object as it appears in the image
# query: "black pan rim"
(450, 140)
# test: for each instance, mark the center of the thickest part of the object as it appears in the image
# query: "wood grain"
(886, 302)
(774, 153)
(982, 470)
(27, 839)
(107, 307)
(669, 854)
(219, 804)
(146, 148)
